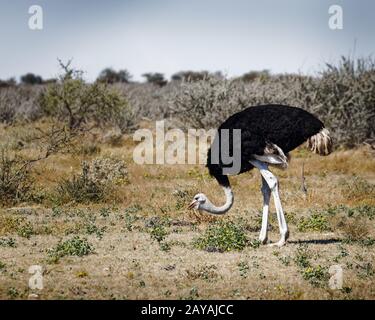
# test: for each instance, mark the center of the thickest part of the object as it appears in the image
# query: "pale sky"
(234, 36)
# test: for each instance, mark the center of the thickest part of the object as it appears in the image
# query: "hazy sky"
(167, 36)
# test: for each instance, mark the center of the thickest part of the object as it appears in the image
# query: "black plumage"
(287, 127)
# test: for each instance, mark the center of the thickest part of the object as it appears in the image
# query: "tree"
(190, 76)
(193, 76)
(252, 75)
(111, 76)
(11, 82)
(155, 78)
(31, 79)
(78, 103)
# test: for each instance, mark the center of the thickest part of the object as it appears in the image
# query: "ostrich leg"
(273, 185)
(266, 191)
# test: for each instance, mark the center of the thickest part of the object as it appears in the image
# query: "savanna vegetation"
(73, 201)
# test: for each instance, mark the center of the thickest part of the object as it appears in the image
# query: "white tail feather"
(321, 143)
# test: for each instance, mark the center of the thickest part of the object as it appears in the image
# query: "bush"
(26, 230)
(157, 229)
(95, 182)
(316, 222)
(11, 82)
(206, 103)
(8, 242)
(78, 104)
(317, 276)
(158, 233)
(72, 247)
(15, 180)
(192, 76)
(342, 96)
(19, 103)
(222, 236)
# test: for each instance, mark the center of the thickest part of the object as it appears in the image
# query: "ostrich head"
(201, 202)
(198, 202)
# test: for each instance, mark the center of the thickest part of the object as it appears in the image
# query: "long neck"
(211, 208)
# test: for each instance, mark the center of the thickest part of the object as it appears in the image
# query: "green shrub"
(158, 233)
(72, 247)
(317, 276)
(302, 258)
(13, 293)
(7, 242)
(243, 268)
(92, 228)
(26, 230)
(129, 220)
(222, 236)
(316, 222)
(78, 103)
(365, 211)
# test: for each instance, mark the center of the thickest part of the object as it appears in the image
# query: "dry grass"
(136, 255)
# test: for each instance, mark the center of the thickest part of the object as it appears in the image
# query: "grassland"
(140, 242)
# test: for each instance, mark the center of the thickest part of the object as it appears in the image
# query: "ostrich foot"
(263, 240)
(282, 241)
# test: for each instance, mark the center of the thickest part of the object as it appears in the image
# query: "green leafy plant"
(317, 276)
(243, 268)
(8, 242)
(302, 258)
(26, 230)
(222, 236)
(158, 233)
(71, 247)
(92, 228)
(13, 293)
(316, 222)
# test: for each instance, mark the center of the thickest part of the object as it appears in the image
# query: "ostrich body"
(268, 133)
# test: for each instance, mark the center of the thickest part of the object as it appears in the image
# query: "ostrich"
(267, 134)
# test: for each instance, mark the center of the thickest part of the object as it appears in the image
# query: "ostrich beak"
(192, 205)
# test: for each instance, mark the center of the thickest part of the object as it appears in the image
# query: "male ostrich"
(268, 133)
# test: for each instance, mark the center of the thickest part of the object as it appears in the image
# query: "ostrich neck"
(211, 208)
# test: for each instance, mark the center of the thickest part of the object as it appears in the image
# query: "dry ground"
(128, 263)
